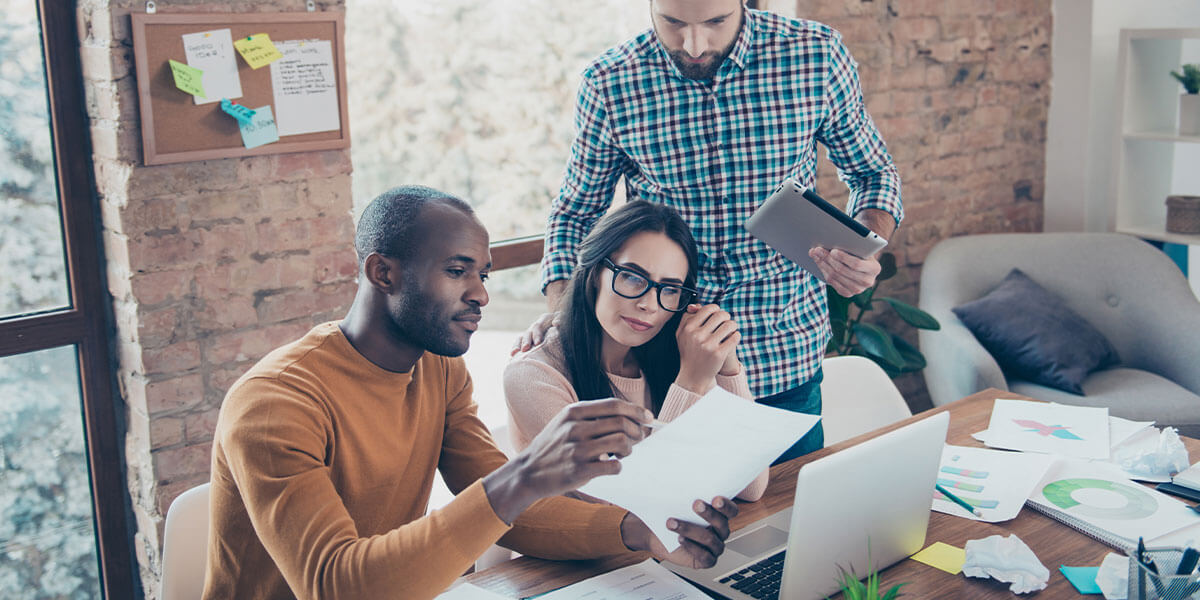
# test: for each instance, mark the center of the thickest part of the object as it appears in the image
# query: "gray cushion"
(1035, 336)
(1129, 393)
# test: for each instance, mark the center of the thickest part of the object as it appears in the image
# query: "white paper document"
(305, 87)
(212, 52)
(1098, 493)
(715, 448)
(1079, 431)
(644, 581)
(466, 591)
(995, 482)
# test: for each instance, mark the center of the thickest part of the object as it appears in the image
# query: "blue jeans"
(805, 398)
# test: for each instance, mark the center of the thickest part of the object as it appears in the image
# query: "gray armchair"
(1128, 290)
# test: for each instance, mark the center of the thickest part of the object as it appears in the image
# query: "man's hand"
(537, 331)
(699, 546)
(535, 334)
(583, 441)
(848, 274)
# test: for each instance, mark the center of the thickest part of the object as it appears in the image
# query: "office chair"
(857, 396)
(185, 545)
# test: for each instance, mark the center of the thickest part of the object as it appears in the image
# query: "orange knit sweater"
(321, 475)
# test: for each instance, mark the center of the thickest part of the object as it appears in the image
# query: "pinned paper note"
(305, 87)
(257, 50)
(212, 52)
(241, 113)
(188, 79)
(1083, 578)
(941, 555)
(261, 129)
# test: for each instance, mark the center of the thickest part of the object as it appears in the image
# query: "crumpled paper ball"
(1006, 559)
(1168, 457)
(1113, 577)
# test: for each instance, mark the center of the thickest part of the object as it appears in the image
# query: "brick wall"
(960, 92)
(210, 264)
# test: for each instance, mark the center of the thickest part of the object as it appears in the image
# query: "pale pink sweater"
(536, 388)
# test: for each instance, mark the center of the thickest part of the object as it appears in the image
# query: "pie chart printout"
(1137, 503)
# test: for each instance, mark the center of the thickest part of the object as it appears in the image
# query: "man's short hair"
(387, 224)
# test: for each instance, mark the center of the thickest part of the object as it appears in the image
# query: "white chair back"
(185, 545)
(857, 396)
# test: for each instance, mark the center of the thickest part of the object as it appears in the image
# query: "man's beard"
(416, 319)
(699, 72)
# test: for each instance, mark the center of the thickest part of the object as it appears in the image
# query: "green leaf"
(838, 327)
(839, 305)
(878, 343)
(913, 315)
(887, 264)
(913, 359)
(863, 299)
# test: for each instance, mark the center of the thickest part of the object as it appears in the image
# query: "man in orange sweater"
(325, 451)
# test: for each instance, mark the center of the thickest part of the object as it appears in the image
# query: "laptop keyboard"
(759, 580)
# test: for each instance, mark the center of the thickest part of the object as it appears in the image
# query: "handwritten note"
(257, 50)
(305, 86)
(212, 52)
(188, 79)
(241, 113)
(261, 129)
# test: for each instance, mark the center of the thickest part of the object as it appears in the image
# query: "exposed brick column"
(211, 264)
(960, 91)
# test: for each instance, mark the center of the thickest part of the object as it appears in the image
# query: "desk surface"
(1055, 544)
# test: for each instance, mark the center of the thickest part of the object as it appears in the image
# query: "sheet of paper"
(1079, 431)
(1120, 430)
(212, 52)
(995, 482)
(1083, 578)
(257, 50)
(305, 86)
(261, 129)
(188, 79)
(644, 581)
(1100, 494)
(715, 448)
(466, 591)
(941, 555)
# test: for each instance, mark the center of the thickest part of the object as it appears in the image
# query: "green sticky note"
(942, 556)
(1083, 578)
(188, 78)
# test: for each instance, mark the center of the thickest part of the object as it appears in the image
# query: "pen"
(957, 500)
(1187, 564)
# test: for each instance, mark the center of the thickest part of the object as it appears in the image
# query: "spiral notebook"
(1096, 500)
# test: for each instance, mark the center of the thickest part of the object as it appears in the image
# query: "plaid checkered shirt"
(714, 150)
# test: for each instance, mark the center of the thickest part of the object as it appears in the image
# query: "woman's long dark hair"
(579, 329)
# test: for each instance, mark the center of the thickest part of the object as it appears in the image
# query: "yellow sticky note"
(188, 78)
(257, 50)
(942, 556)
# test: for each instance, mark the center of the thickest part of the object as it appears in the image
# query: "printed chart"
(995, 482)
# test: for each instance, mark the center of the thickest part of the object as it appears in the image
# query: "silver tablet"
(795, 220)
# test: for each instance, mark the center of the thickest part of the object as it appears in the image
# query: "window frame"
(86, 323)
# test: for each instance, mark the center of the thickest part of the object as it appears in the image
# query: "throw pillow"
(1035, 336)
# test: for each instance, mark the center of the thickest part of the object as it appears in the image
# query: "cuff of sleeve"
(677, 401)
(736, 384)
(555, 266)
(472, 512)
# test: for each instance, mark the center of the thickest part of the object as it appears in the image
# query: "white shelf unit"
(1147, 134)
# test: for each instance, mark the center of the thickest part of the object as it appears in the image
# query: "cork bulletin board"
(176, 129)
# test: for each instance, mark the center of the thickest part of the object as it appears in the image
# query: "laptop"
(794, 220)
(873, 497)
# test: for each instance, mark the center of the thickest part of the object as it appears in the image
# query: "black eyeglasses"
(628, 283)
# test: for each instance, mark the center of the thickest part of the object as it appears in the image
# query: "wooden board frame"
(175, 129)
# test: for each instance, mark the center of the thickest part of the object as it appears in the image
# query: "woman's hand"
(707, 338)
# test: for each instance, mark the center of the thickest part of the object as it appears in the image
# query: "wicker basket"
(1183, 214)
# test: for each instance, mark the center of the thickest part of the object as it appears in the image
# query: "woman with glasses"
(629, 329)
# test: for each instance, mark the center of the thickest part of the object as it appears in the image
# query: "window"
(64, 532)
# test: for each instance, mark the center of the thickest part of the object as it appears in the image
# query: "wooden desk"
(1054, 543)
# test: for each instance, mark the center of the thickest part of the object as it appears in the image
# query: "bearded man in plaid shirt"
(708, 112)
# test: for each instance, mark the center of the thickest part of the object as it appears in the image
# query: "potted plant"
(854, 588)
(1189, 103)
(852, 335)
